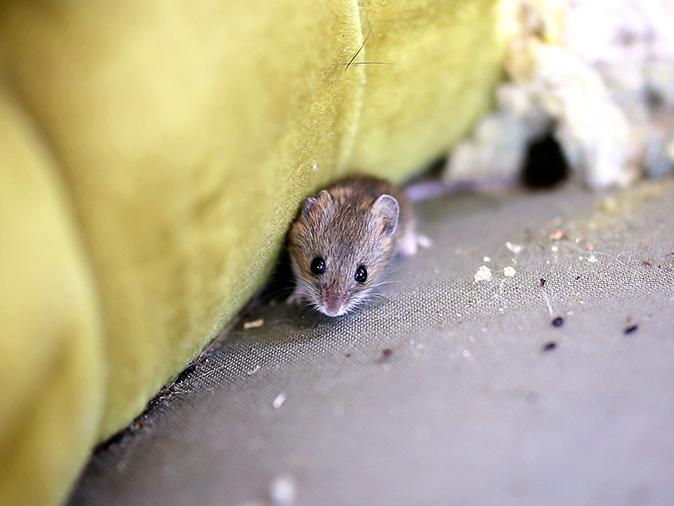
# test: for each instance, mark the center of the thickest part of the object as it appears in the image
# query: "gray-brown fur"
(361, 221)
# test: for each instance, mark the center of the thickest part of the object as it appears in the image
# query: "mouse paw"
(423, 241)
(410, 244)
(296, 298)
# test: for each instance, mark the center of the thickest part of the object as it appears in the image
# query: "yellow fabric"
(51, 363)
(152, 155)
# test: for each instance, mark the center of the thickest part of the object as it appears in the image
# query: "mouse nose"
(334, 304)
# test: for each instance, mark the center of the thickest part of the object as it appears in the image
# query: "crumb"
(140, 424)
(542, 282)
(347, 355)
(483, 274)
(252, 371)
(283, 491)
(557, 235)
(557, 322)
(386, 353)
(253, 324)
(577, 278)
(515, 248)
(279, 401)
(647, 262)
(509, 272)
(549, 346)
(555, 249)
(630, 329)
(486, 259)
(592, 259)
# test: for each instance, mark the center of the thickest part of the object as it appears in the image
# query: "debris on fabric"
(549, 346)
(483, 274)
(283, 491)
(255, 324)
(509, 272)
(386, 355)
(486, 259)
(279, 400)
(557, 235)
(592, 259)
(514, 248)
(542, 282)
(598, 76)
(557, 322)
(630, 329)
(252, 371)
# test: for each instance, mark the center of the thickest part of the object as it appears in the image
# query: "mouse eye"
(361, 274)
(318, 266)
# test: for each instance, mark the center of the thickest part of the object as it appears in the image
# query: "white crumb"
(280, 399)
(554, 249)
(486, 259)
(483, 274)
(252, 371)
(283, 491)
(253, 324)
(592, 259)
(509, 272)
(515, 248)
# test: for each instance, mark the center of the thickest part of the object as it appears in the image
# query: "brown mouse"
(343, 239)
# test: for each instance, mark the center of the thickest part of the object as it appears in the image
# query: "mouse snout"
(333, 303)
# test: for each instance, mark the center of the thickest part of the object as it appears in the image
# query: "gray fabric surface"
(468, 409)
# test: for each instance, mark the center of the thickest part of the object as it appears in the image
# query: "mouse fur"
(343, 239)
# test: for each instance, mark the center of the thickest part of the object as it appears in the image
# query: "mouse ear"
(323, 198)
(386, 210)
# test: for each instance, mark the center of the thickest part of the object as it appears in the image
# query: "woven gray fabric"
(467, 407)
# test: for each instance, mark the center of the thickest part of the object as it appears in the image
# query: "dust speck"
(483, 274)
(549, 346)
(279, 400)
(283, 491)
(515, 248)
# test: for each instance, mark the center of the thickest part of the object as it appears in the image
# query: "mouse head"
(340, 248)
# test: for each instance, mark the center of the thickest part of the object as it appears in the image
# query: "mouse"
(343, 240)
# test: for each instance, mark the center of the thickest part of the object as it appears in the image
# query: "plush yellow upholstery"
(152, 155)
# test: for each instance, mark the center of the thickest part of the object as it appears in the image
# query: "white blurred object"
(598, 75)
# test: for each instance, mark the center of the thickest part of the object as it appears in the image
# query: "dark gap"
(545, 165)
